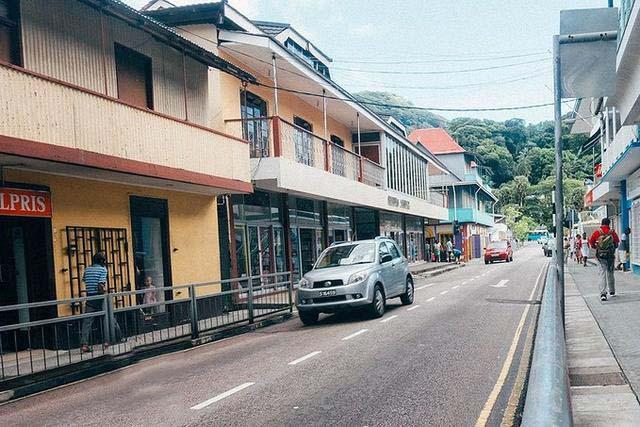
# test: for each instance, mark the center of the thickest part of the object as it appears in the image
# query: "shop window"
(134, 77)
(10, 32)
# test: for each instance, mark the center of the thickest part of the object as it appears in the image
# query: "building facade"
(469, 200)
(107, 144)
(615, 137)
(324, 167)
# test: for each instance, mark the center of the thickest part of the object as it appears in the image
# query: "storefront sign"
(393, 201)
(588, 198)
(19, 202)
(598, 170)
(633, 185)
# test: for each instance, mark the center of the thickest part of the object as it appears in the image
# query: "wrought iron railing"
(42, 344)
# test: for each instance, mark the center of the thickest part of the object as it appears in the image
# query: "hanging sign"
(19, 202)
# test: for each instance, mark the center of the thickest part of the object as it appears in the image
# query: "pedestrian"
(449, 250)
(150, 295)
(585, 249)
(566, 245)
(436, 250)
(572, 247)
(456, 254)
(578, 249)
(605, 241)
(623, 250)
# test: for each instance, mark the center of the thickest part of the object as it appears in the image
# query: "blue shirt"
(93, 276)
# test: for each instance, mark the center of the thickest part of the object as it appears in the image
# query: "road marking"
(303, 358)
(389, 318)
(413, 308)
(472, 279)
(464, 283)
(444, 292)
(456, 287)
(425, 286)
(501, 284)
(221, 396)
(491, 401)
(355, 334)
(431, 299)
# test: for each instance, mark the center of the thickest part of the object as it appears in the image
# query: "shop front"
(415, 239)
(633, 218)
(392, 226)
(307, 233)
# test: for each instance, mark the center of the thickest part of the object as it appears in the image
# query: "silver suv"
(363, 273)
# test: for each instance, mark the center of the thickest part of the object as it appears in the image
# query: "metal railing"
(39, 345)
(276, 137)
(548, 401)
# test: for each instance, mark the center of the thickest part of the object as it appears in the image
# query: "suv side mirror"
(386, 258)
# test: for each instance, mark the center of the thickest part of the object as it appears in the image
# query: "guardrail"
(35, 346)
(548, 401)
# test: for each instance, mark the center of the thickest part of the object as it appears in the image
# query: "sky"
(429, 51)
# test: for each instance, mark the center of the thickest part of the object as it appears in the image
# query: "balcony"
(471, 215)
(79, 127)
(622, 156)
(276, 137)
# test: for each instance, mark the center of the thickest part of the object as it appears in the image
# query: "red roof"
(437, 140)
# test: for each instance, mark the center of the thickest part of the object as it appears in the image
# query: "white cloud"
(249, 8)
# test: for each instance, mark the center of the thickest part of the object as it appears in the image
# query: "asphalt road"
(456, 357)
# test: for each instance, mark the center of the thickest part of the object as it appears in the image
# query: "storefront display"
(415, 239)
(391, 226)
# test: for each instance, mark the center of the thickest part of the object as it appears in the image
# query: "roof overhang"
(296, 76)
(625, 165)
(166, 35)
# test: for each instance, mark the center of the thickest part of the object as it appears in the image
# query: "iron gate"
(83, 243)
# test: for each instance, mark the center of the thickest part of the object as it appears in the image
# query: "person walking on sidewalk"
(585, 249)
(449, 250)
(578, 249)
(605, 241)
(623, 250)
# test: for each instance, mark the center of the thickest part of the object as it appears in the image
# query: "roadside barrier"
(34, 337)
(548, 401)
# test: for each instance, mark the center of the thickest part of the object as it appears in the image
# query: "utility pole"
(559, 195)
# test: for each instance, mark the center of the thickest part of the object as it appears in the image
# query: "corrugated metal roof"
(437, 140)
(271, 28)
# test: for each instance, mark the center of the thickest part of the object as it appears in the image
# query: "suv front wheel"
(377, 305)
(407, 297)
(309, 317)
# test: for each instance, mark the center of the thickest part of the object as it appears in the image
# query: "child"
(150, 294)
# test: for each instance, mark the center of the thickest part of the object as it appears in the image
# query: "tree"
(496, 161)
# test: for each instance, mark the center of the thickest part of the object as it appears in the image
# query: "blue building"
(469, 200)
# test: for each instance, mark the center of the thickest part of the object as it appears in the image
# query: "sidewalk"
(603, 348)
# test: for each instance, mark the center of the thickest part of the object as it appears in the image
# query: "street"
(454, 357)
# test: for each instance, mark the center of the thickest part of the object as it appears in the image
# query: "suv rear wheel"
(377, 305)
(309, 317)
(407, 297)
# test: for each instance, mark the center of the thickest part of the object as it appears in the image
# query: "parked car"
(360, 274)
(498, 251)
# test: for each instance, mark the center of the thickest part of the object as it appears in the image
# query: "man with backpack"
(605, 241)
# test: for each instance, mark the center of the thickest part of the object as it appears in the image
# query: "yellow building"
(108, 142)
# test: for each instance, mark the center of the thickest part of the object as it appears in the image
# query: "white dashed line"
(464, 283)
(413, 308)
(456, 287)
(355, 334)
(303, 358)
(221, 396)
(431, 299)
(388, 319)
(425, 286)
(444, 292)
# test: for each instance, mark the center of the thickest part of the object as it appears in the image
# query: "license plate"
(327, 293)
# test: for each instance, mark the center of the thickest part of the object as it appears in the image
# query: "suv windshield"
(357, 253)
(498, 245)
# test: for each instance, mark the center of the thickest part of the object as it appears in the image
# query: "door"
(255, 127)
(307, 248)
(304, 141)
(387, 270)
(150, 227)
(397, 268)
(26, 275)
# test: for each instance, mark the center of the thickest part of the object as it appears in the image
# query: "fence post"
(106, 329)
(111, 318)
(250, 299)
(290, 286)
(193, 306)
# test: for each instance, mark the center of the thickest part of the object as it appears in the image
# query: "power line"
(469, 70)
(429, 61)
(407, 107)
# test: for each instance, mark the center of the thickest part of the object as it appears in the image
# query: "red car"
(498, 251)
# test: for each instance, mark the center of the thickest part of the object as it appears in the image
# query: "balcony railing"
(38, 108)
(276, 137)
(623, 138)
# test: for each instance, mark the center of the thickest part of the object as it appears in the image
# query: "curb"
(440, 271)
(40, 382)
